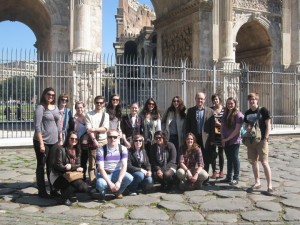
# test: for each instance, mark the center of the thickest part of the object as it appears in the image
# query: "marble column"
(297, 33)
(286, 32)
(226, 34)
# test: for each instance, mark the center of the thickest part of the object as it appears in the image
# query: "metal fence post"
(183, 80)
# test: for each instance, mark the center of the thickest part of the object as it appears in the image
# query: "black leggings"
(67, 188)
(221, 159)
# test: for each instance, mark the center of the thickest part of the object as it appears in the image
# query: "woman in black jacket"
(163, 161)
(67, 159)
(139, 166)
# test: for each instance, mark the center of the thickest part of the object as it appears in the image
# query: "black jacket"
(134, 165)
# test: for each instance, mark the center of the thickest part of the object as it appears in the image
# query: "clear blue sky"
(16, 35)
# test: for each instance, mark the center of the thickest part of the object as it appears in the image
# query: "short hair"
(79, 102)
(253, 95)
(216, 96)
(61, 96)
(98, 97)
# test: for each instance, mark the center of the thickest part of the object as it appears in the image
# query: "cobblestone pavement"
(214, 204)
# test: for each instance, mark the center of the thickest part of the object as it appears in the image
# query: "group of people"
(131, 152)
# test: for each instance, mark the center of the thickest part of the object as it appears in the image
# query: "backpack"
(105, 151)
(254, 135)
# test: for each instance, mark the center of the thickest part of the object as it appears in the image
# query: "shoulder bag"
(254, 135)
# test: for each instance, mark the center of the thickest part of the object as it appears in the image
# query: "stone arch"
(39, 15)
(255, 36)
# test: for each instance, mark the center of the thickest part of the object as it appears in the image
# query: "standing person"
(259, 151)
(173, 122)
(68, 159)
(218, 111)
(163, 161)
(80, 128)
(131, 124)
(139, 166)
(200, 121)
(112, 166)
(230, 130)
(151, 123)
(97, 123)
(7, 112)
(114, 110)
(46, 137)
(66, 120)
(191, 172)
(19, 112)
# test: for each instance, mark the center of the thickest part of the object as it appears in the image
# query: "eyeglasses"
(151, 103)
(64, 100)
(138, 140)
(99, 103)
(175, 100)
(115, 99)
(74, 139)
(113, 137)
(158, 138)
(51, 95)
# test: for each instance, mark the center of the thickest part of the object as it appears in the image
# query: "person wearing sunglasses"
(163, 161)
(66, 120)
(173, 122)
(112, 166)
(97, 124)
(47, 134)
(114, 110)
(139, 167)
(68, 159)
(151, 122)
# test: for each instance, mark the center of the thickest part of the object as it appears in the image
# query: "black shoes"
(67, 202)
(44, 195)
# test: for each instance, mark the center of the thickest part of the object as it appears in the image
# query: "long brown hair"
(195, 146)
(135, 137)
(229, 116)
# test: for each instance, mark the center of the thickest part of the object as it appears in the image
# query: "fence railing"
(23, 77)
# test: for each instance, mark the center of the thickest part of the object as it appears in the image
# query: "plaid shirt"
(192, 160)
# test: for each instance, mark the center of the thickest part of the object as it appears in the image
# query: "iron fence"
(25, 74)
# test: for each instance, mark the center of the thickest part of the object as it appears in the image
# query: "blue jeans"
(233, 162)
(140, 181)
(101, 184)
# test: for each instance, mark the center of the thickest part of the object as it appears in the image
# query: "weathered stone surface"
(257, 198)
(291, 202)
(82, 212)
(5, 175)
(260, 216)
(35, 200)
(291, 214)
(270, 206)
(31, 209)
(222, 217)
(201, 199)
(190, 194)
(231, 194)
(173, 198)
(9, 206)
(226, 205)
(139, 200)
(146, 213)
(4, 191)
(57, 209)
(175, 206)
(90, 205)
(188, 216)
(115, 214)
(29, 190)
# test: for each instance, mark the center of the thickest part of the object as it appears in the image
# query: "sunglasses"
(51, 95)
(115, 99)
(151, 104)
(138, 140)
(175, 100)
(64, 100)
(113, 137)
(74, 139)
(99, 103)
(158, 138)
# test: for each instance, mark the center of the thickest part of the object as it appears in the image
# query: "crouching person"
(191, 173)
(139, 167)
(112, 165)
(67, 159)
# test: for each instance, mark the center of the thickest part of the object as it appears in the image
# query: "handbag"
(73, 175)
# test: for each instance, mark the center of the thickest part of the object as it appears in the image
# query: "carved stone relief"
(178, 44)
(260, 5)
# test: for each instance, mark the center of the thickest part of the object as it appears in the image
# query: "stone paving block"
(222, 217)
(4, 191)
(173, 198)
(80, 212)
(174, 206)
(6, 175)
(259, 197)
(18, 185)
(31, 209)
(115, 214)
(227, 205)
(35, 200)
(270, 206)
(291, 214)
(90, 205)
(188, 216)
(189, 194)
(6, 205)
(146, 213)
(291, 202)
(201, 199)
(58, 209)
(139, 200)
(231, 194)
(29, 190)
(260, 216)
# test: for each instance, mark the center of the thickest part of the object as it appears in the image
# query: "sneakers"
(68, 202)
(118, 196)
(234, 182)
(214, 176)
(132, 194)
(221, 174)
